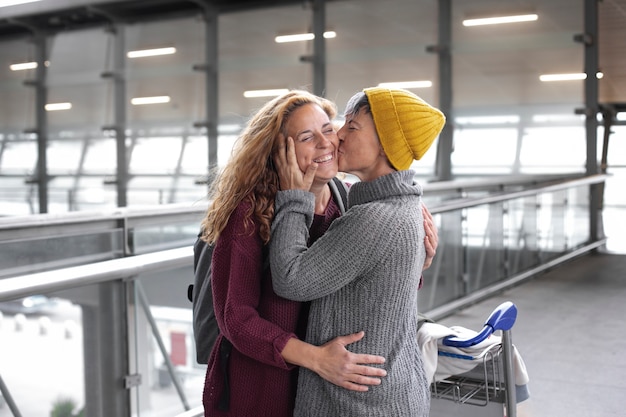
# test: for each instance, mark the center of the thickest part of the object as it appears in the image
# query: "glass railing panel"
(614, 207)
(41, 355)
(20, 256)
(167, 236)
(481, 246)
(563, 220)
(155, 356)
(521, 234)
(443, 280)
(577, 217)
(484, 246)
(552, 221)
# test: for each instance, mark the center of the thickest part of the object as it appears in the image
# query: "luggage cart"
(489, 388)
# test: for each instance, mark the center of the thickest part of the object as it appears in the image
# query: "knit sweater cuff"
(297, 201)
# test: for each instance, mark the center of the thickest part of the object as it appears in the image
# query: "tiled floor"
(571, 333)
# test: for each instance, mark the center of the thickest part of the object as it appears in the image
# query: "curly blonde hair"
(250, 172)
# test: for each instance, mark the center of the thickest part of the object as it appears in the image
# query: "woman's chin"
(325, 174)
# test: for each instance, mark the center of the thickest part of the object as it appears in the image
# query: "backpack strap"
(339, 189)
(225, 349)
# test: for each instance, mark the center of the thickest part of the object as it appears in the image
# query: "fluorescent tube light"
(500, 19)
(303, 37)
(568, 77)
(264, 93)
(407, 84)
(151, 52)
(563, 77)
(58, 106)
(26, 66)
(23, 66)
(137, 101)
(6, 3)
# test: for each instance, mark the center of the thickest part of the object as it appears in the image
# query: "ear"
(383, 156)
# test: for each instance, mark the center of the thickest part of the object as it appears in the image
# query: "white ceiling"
(494, 67)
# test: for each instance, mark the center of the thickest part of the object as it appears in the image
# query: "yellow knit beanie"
(406, 124)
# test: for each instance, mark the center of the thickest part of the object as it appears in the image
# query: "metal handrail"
(61, 279)
(129, 213)
(512, 195)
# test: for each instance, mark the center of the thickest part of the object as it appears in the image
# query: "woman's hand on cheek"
(289, 173)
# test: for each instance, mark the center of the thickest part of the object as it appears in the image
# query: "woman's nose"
(340, 134)
(326, 140)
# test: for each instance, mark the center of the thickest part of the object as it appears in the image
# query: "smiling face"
(315, 140)
(360, 152)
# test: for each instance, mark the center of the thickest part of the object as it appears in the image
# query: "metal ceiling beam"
(96, 13)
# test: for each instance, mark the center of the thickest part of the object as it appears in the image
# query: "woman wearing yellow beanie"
(364, 273)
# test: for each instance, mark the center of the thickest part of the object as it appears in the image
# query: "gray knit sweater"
(363, 274)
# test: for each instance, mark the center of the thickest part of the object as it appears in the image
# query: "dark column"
(443, 164)
(590, 41)
(113, 332)
(41, 99)
(319, 48)
(119, 82)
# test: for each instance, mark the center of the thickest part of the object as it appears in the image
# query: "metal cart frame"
(490, 386)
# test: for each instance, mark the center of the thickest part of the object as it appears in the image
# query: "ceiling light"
(25, 65)
(58, 106)
(569, 77)
(563, 77)
(500, 19)
(6, 3)
(303, 37)
(407, 84)
(264, 93)
(137, 101)
(151, 52)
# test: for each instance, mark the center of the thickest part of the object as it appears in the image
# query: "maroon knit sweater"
(256, 321)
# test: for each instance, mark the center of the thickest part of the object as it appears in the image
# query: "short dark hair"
(357, 102)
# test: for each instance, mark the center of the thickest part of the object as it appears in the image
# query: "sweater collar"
(399, 183)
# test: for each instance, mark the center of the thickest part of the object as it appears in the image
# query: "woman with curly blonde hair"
(265, 330)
